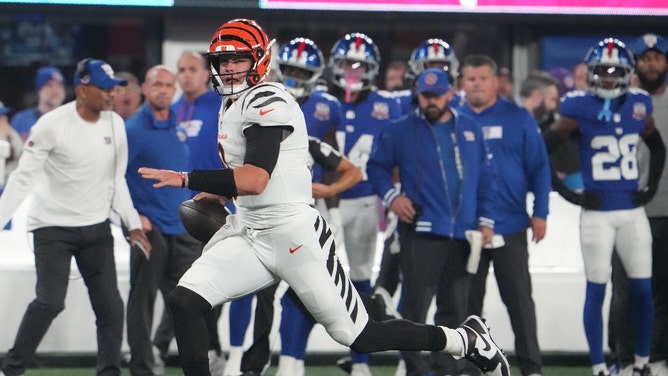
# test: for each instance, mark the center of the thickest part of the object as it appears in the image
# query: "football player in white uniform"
(276, 234)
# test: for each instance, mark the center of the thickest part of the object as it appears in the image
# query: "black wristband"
(218, 182)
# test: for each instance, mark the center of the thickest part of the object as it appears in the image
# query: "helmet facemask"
(239, 39)
(355, 62)
(300, 65)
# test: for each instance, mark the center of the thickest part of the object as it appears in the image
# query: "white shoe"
(158, 362)
(216, 363)
(286, 366)
(233, 364)
(480, 348)
(401, 368)
(659, 368)
(300, 370)
(360, 369)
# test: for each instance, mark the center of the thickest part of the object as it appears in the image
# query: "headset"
(83, 69)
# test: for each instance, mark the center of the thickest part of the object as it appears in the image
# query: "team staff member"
(519, 153)
(81, 150)
(155, 139)
(447, 187)
(609, 120)
(196, 112)
(276, 233)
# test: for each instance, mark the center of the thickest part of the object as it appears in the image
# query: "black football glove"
(643, 196)
(587, 200)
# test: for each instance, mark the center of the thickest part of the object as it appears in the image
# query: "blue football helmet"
(300, 65)
(610, 66)
(434, 53)
(358, 51)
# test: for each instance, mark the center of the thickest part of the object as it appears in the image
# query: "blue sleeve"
(380, 165)
(568, 105)
(488, 192)
(537, 167)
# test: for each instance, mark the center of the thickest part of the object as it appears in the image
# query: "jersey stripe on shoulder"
(262, 95)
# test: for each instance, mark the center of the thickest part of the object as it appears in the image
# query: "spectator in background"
(50, 88)
(128, 99)
(505, 84)
(580, 77)
(155, 139)
(447, 187)
(396, 76)
(11, 147)
(564, 78)
(651, 68)
(539, 94)
(81, 148)
(523, 166)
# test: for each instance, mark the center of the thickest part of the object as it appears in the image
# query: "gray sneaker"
(480, 348)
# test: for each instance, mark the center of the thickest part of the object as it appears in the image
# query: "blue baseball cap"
(97, 73)
(46, 74)
(649, 41)
(4, 110)
(433, 80)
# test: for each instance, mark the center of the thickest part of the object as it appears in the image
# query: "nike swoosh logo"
(264, 112)
(295, 249)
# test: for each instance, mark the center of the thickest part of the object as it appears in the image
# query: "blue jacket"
(156, 144)
(411, 144)
(514, 138)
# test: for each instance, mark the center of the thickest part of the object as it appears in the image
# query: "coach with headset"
(81, 148)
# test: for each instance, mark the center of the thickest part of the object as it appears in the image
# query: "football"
(202, 218)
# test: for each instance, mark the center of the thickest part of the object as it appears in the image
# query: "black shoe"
(386, 304)
(251, 373)
(480, 348)
(346, 364)
(644, 371)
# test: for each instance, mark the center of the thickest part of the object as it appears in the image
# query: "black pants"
(511, 269)
(171, 256)
(93, 249)
(434, 266)
(620, 324)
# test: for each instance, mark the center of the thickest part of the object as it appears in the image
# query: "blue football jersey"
(322, 112)
(362, 125)
(608, 149)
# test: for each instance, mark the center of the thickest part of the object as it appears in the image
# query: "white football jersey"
(267, 105)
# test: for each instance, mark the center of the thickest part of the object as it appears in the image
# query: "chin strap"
(605, 114)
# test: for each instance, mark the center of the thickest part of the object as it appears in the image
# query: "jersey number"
(615, 158)
(359, 153)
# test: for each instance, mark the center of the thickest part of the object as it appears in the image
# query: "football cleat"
(480, 349)
(644, 371)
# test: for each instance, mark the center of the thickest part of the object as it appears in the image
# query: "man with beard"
(447, 187)
(651, 67)
(539, 94)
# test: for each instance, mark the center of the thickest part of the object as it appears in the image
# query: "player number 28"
(616, 158)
